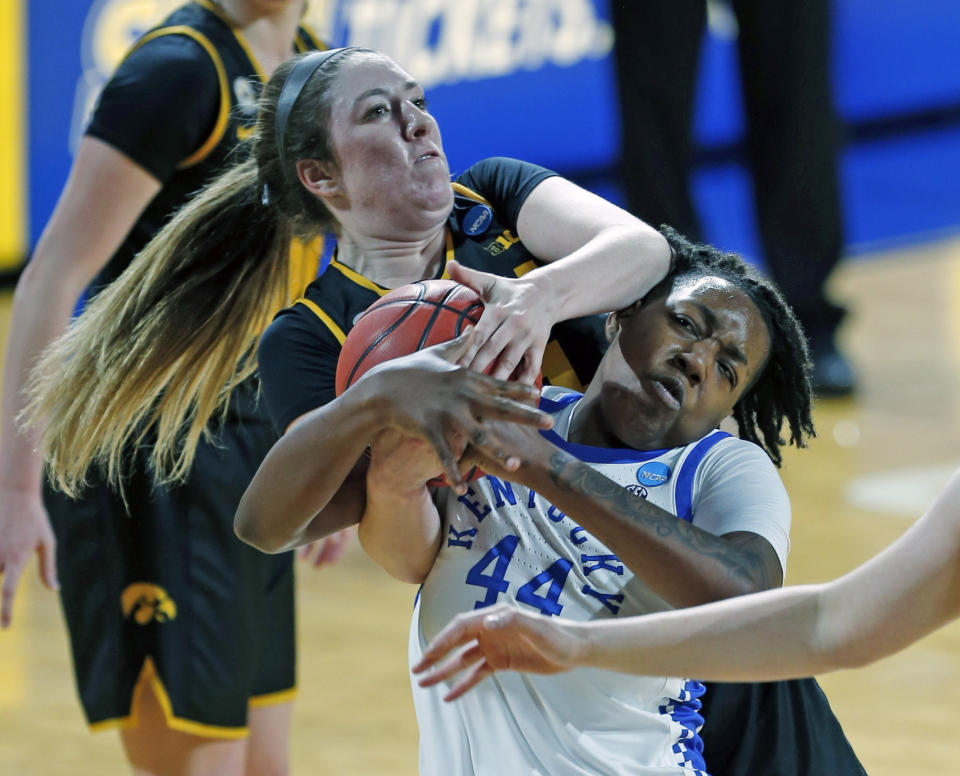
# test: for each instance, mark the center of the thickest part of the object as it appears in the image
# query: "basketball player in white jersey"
(634, 502)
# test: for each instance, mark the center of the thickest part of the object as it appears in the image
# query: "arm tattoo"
(742, 554)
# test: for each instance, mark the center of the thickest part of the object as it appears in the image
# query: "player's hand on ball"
(498, 638)
(514, 328)
(429, 396)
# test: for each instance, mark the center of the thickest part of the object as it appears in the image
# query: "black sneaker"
(833, 374)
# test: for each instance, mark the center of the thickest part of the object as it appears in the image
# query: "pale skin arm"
(400, 527)
(579, 236)
(901, 595)
(102, 199)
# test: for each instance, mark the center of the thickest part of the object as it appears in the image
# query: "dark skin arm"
(680, 562)
(312, 482)
(291, 501)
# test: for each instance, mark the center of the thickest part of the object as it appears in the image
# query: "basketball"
(404, 321)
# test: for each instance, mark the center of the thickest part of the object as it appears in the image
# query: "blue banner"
(525, 78)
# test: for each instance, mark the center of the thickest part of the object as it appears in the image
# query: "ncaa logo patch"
(476, 220)
(653, 474)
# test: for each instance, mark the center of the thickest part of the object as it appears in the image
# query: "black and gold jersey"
(298, 353)
(179, 105)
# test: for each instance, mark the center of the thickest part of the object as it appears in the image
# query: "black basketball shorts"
(167, 592)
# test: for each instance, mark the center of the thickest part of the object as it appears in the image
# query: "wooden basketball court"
(875, 466)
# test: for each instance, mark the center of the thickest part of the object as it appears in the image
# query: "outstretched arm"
(904, 593)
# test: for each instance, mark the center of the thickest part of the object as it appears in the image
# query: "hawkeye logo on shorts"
(653, 474)
(147, 603)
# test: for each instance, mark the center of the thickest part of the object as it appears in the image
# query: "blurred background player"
(181, 635)
(891, 72)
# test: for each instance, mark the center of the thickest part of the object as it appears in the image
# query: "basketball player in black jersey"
(182, 636)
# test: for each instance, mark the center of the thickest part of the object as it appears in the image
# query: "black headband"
(292, 87)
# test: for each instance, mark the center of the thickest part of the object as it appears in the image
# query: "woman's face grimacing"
(681, 362)
(390, 178)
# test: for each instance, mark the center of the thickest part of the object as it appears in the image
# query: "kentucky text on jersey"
(501, 554)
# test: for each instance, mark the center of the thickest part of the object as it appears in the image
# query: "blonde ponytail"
(157, 354)
(160, 350)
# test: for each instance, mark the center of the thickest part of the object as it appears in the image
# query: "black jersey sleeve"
(505, 183)
(298, 365)
(160, 105)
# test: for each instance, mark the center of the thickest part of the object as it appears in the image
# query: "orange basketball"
(404, 321)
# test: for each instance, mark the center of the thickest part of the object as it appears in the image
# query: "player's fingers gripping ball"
(408, 319)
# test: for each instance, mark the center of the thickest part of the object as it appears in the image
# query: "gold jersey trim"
(360, 280)
(224, 114)
(459, 188)
(522, 269)
(241, 40)
(357, 278)
(557, 366)
(448, 257)
(272, 698)
(148, 674)
(300, 43)
(327, 320)
(305, 44)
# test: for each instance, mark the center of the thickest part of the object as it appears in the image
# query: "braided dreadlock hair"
(782, 389)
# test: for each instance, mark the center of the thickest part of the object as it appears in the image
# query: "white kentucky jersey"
(506, 543)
